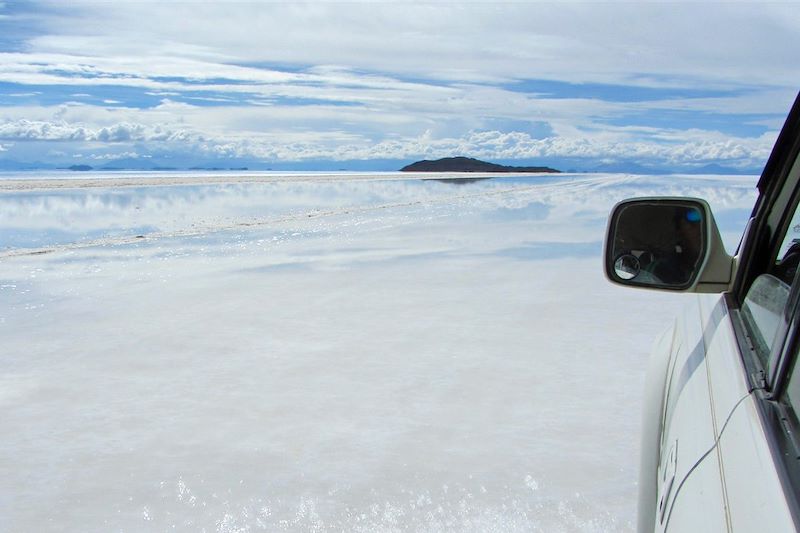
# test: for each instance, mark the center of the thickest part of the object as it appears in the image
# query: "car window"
(792, 235)
(792, 395)
(786, 267)
(763, 313)
(789, 253)
(764, 310)
(789, 262)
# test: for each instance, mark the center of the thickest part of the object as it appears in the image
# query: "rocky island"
(467, 164)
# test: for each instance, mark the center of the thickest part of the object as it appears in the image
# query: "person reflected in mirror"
(676, 264)
(786, 269)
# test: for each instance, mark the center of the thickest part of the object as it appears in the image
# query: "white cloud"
(401, 80)
(517, 145)
(37, 130)
(267, 133)
(605, 42)
(114, 156)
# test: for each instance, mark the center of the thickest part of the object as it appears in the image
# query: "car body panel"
(715, 469)
(726, 372)
(687, 429)
(658, 369)
(712, 440)
(691, 511)
(756, 500)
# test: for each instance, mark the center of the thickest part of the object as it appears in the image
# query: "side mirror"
(666, 243)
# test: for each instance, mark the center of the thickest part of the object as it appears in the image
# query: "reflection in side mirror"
(627, 266)
(659, 243)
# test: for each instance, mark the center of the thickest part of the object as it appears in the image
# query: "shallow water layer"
(370, 355)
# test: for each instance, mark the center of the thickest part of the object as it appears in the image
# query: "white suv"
(721, 421)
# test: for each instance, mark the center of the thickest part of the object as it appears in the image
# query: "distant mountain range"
(450, 164)
(467, 164)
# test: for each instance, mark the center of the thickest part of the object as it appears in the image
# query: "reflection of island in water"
(468, 164)
(456, 181)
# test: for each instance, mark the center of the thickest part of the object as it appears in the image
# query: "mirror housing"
(666, 244)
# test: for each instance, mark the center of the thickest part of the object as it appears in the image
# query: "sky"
(641, 87)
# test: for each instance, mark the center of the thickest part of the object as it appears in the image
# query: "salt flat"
(371, 354)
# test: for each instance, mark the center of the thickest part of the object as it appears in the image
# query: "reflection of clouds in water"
(567, 208)
(39, 238)
(533, 210)
(552, 250)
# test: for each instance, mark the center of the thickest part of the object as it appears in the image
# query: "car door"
(758, 446)
(690, 496)
(728, 452)
(750, 358)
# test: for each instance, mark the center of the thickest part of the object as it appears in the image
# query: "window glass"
(789, 254)
(763, 312)
(659, 243)
(786, 267)
(793, 389)
(764, 308)
(792, 234)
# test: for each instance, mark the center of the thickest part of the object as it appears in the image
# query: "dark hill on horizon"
(467, 164)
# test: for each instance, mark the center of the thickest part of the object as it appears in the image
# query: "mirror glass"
(627, 266)
(657, 243)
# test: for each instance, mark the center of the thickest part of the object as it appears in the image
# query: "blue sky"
(374, 85)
